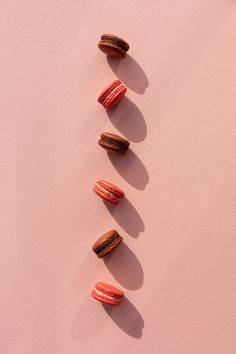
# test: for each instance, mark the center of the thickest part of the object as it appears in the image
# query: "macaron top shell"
(109, 289)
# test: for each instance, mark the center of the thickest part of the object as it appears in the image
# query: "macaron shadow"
(127, 317)
(131, 168)
(80, 282)
(88, 310)
(127, 217)
(129, 120)
(129, 72)
(125, 267)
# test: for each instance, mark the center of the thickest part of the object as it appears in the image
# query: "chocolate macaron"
(113, 46)
(113, 143)
(107, 243)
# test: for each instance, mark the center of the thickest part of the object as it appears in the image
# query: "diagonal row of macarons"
(109, 98)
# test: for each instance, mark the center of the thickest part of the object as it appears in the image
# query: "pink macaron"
(107, 293)
(108, 191)
(112, 94)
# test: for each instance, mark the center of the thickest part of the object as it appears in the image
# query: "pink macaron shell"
(112, 188)
(115, 100)
(107, 89)
(107, 196)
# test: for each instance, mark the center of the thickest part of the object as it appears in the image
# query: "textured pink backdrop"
(178, 263)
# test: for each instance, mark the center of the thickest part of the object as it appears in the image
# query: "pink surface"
(177, 266)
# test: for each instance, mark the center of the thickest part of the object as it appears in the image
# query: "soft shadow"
(188, 48)
(130, 73)
(131, 168)
(129, 120)
(89, 310)
(127, 317)
(127, 217)
(80, 282)
(125, 267)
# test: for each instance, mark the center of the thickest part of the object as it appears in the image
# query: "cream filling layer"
(109, 297)
(112, 93)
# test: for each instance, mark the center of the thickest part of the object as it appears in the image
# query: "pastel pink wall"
(178, 263)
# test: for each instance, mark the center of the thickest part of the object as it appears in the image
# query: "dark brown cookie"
(113, 46)
(107, 243)
(113, 143)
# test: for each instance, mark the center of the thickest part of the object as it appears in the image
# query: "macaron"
(108, 191)
(107, 293)
(113, 46)
(107, 243)
(112, 94)
(113, 143)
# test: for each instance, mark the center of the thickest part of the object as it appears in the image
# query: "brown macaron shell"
(113, 45)
(107, 243)
(113, 143)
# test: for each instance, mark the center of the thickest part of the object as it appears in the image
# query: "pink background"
(178, 263)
